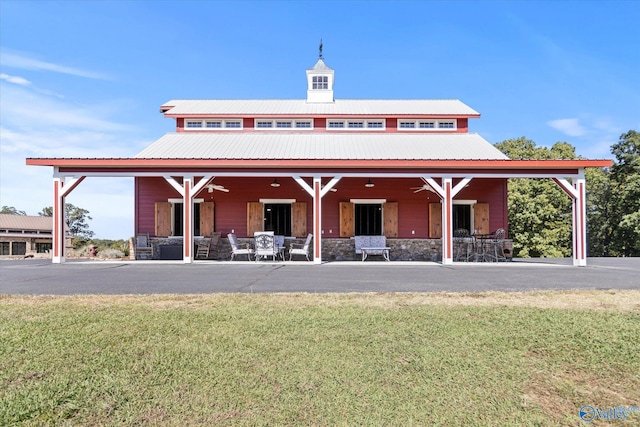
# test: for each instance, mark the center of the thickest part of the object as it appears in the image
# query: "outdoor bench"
(372, 245)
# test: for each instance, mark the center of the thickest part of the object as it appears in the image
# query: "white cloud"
(15, 79)
(35, 125)
(23, 61)
(569, 127)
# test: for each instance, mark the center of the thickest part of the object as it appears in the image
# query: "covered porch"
(444, 179)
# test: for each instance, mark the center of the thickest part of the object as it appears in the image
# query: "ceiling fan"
(425, 186)
(332, 189)
(212, 187)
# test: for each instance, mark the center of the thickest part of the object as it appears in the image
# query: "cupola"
(320, 81)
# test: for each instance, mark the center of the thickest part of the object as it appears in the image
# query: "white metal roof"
(383, 107)
(321, 146)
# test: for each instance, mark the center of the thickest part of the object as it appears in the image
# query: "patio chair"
(463, 245)
(144, 249)
(265, 244)
(206, 246)
(280, 245)
(498, 245)
(298, 249)
(235, 247)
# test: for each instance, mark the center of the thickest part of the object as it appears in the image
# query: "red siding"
(463, 125)
(148, 192)
(231, 208)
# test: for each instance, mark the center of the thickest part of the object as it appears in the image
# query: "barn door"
(435, 220)
(255, 217)
(163, 219)
(481, 218)
(390, 216)
(206, 218)
(299, 219)
(347, 226)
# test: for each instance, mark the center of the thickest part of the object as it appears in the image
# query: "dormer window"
(211, 124)
(320, 82)
(194, 124)
(375, 124)
(427, 125)
(282, 124)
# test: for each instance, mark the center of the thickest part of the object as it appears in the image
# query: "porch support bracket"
(577, 192)
(61, 188)
(447, 192)
(188, 189)
(317, 192)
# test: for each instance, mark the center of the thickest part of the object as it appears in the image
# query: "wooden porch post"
(317, 221)
(447, 231)
(187, 218)
(579, 223)
(577, 192)
(58, 255)
(61, 188)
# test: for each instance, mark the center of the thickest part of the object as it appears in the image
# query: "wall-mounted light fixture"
(275, 183)
(369, 184)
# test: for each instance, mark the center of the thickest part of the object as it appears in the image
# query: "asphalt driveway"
(155, 277)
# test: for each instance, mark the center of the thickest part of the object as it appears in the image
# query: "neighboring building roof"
(340, 107)
(321, 146)
(25, 223)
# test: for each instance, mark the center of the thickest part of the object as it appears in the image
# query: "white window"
(320, 82)
(375, 124)
(211, 124)
(282, 124)
(194, 124)
(426, 124)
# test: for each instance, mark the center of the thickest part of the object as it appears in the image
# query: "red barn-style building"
(409, 170)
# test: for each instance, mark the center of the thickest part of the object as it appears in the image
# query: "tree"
(76, 219)
(10, 210)
(539, 211)
(619, 225)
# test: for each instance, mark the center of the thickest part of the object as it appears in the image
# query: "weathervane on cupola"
(320, 81)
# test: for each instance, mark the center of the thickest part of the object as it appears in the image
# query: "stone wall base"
(332, 249)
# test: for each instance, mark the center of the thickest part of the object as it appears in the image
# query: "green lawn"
(299, 359)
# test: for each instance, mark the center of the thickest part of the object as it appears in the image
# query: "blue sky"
(86, 78)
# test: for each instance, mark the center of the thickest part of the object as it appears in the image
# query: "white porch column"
(57, 256)
(580, 223)
(577, 192)
(447, 217)
(317, 220)
(61, 188)
(187, 217)
(317, 192)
